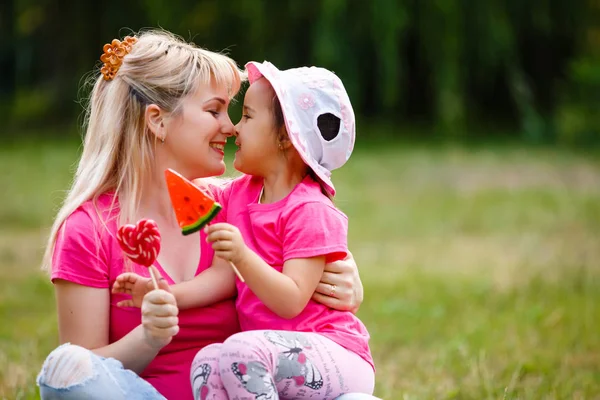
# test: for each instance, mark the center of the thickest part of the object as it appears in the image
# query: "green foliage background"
(526, 69)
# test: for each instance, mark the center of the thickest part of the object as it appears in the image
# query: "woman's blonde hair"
(118, 149)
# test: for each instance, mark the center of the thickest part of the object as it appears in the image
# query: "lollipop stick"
(154, 282)
(237, 272)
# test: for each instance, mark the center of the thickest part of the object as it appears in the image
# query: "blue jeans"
(106, 378)
(102, 378)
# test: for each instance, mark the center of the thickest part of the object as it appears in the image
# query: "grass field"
(481, 267)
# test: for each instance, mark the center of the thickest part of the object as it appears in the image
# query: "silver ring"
(332, 291)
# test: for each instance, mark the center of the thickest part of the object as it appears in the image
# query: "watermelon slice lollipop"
(194, 209)
(141, 243)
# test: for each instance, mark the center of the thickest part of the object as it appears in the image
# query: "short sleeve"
(315, 229)
(221, 191)
(79, 255)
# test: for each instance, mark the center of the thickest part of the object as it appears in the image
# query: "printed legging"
(270, 365)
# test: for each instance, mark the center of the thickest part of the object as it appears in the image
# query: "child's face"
(256, 133)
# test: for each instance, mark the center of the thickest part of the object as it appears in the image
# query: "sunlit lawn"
(481, 267)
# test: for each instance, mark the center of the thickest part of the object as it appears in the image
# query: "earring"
(280, 146)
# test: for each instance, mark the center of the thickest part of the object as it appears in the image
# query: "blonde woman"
(158, 103)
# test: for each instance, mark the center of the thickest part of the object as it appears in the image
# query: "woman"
(160, 103)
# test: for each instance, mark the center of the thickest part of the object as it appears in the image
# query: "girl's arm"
(212, 285)
(215, 284)
(287, 293)
(83, 319)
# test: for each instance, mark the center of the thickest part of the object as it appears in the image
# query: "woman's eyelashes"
(214, 108)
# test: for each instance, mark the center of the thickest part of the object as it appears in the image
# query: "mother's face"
(197, 135)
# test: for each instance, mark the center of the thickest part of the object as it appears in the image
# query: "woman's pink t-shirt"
(88, 254)
(304, 224)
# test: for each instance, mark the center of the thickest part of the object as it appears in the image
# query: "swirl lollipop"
(141, 243)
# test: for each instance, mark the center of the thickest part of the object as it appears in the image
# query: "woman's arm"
(340, 287)
(83, 319)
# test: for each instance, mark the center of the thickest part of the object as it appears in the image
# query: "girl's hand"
(340, 287)
(227, 242)
(132, 284)
(159, 315)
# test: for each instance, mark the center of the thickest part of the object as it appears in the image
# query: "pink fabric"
(295, 365)
(306, 94)
(88, 254)
(304, 224)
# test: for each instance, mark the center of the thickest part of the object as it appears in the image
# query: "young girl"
(281, 229)
(297, 126)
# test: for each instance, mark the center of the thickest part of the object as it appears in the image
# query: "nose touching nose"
(227, 127)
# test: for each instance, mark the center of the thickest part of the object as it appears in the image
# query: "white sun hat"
(317, 112)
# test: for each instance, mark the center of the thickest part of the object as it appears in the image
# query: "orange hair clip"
(113, 56)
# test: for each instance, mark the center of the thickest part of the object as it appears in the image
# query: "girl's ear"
(154, 117)
(285, 144)
(283, 139)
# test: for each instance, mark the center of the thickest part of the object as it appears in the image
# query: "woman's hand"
(340, 287)
(159, 315)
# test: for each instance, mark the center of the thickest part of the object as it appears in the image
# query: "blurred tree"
(458, 65)
(578, 119)
(7, 49)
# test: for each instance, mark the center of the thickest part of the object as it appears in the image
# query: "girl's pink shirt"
(304, 224)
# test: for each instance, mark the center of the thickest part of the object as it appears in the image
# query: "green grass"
(480, 267)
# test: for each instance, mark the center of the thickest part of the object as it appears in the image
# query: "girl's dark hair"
(326, 125)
